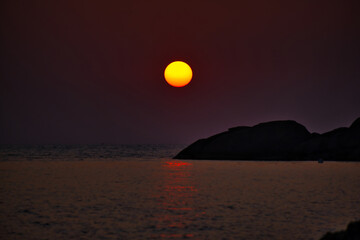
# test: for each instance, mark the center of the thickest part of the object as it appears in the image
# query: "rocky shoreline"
(352, 232)
(278, 140)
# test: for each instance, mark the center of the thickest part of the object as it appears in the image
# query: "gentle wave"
(87, 152)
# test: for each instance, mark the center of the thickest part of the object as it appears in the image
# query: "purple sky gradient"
(92, 71)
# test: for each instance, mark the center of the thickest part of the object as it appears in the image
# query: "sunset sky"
(92, 71)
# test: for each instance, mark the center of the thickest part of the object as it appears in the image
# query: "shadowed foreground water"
(169, 199)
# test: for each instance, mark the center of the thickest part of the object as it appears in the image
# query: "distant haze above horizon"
(92, 71)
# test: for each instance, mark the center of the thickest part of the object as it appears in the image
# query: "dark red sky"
(92, 71)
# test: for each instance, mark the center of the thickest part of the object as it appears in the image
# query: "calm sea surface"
(139, 192)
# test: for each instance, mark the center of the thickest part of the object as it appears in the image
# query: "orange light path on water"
(176, 201)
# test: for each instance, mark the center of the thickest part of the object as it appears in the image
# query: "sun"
(178, 74)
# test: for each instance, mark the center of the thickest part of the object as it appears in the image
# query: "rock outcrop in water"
(351, 233)
(278, 140)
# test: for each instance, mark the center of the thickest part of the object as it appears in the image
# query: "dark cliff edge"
(278, 140)
(352, 232)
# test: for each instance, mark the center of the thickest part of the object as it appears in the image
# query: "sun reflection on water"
(176, 201)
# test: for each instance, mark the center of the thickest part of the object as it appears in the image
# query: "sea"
(141, 192)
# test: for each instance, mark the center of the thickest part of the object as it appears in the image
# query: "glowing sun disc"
(178, 74)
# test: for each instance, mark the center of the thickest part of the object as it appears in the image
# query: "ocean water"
(89, 152)
(139, 192)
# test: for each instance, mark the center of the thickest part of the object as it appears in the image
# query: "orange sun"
(178, 74)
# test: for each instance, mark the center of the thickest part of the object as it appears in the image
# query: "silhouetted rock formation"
(352, 233)
(278, 140)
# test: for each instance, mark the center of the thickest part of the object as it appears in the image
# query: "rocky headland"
(352, 232)
(278, 140)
